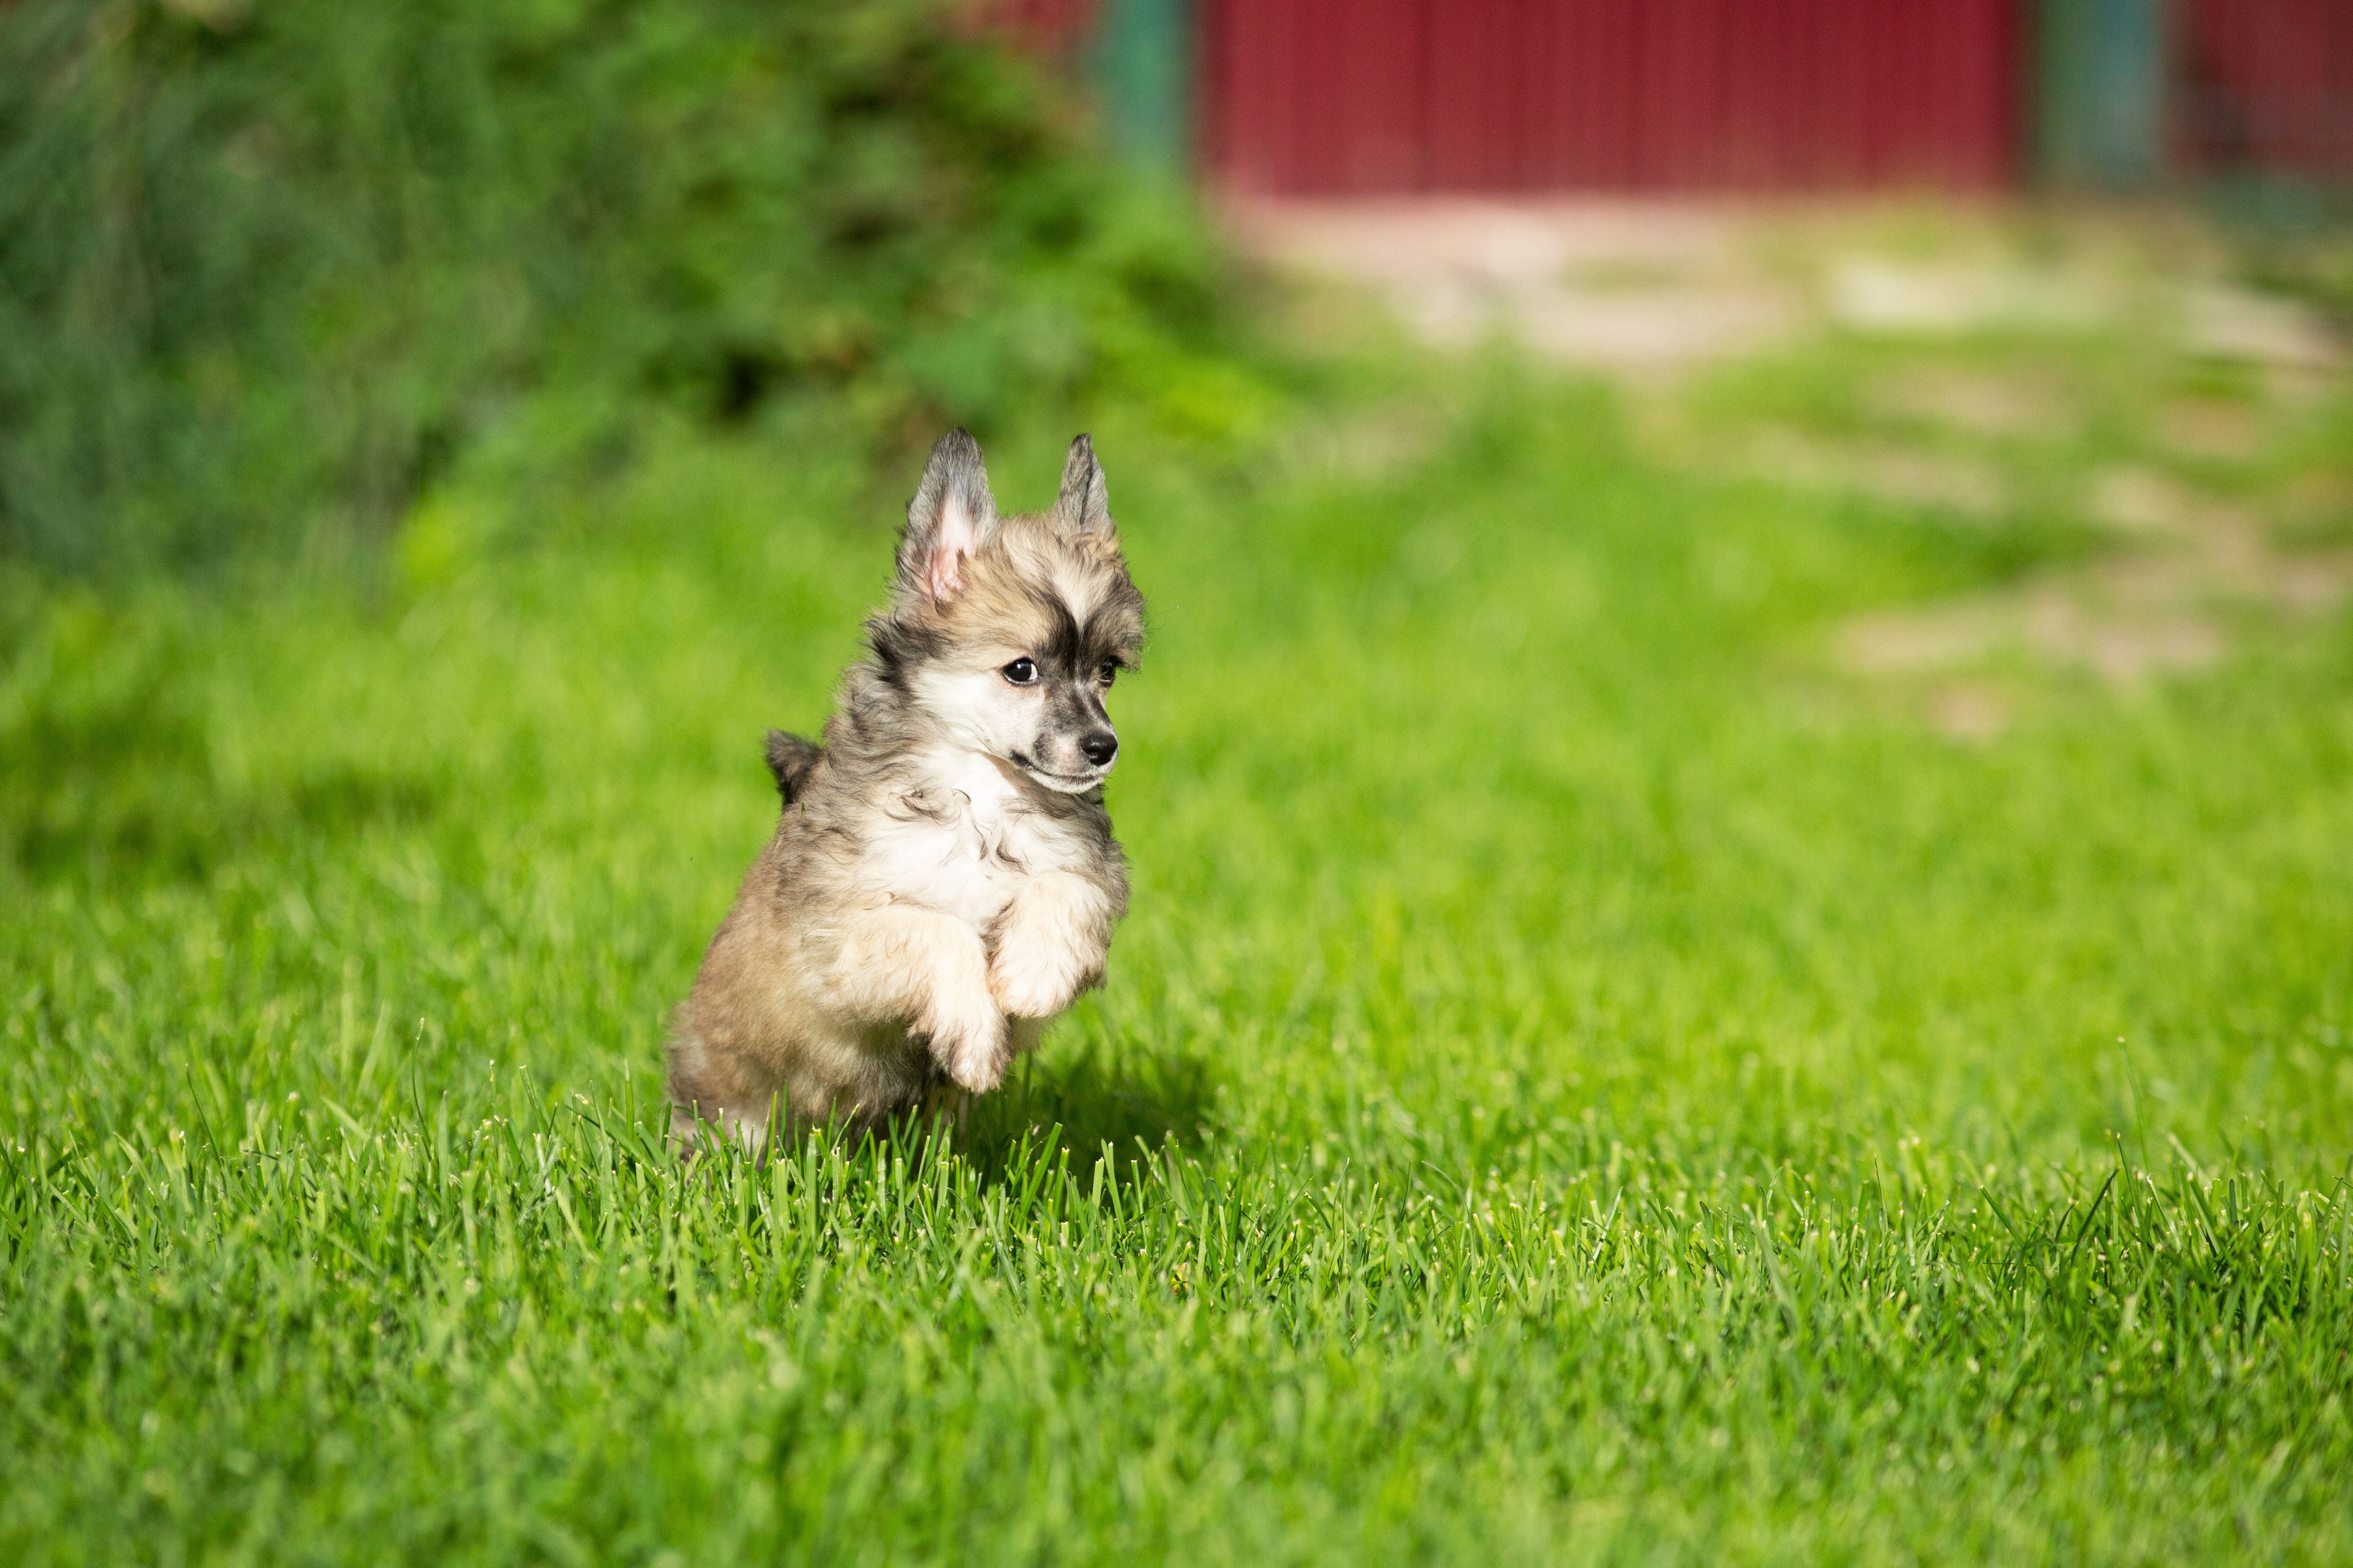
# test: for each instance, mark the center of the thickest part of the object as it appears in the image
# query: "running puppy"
(944, 880)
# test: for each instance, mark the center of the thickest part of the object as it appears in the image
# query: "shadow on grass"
(1103, 1105)
(1089, 1108)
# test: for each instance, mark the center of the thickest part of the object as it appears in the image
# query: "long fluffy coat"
(942, 882)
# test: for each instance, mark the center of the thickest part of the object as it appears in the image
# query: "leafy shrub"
(266, 266)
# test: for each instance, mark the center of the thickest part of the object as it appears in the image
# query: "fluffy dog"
(944, 880)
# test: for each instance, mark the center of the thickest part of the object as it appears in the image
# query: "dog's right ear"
(951, 517)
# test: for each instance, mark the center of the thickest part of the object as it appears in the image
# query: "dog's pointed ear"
(951, 517)
(1085, 503)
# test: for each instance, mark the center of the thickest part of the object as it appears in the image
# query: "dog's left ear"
(951, 517)
(1085, 503)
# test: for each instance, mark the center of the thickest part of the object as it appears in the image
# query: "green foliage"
(1579, 1084)
(268, 270)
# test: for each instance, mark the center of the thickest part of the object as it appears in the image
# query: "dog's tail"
(790, 758)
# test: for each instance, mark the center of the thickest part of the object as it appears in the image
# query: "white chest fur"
(966, 839)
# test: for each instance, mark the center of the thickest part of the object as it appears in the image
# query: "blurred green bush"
(268, 266)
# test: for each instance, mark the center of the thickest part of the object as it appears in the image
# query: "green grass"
(1580, 1083)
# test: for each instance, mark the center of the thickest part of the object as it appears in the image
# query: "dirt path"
(1990, 368)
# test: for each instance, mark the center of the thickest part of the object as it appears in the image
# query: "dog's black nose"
(1099, 747)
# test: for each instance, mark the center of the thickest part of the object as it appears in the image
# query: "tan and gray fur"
(942, 882)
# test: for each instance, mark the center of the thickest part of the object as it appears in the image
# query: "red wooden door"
(1326, 97)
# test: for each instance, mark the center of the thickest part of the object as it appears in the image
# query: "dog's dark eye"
(1022, 672)
(1109, 672)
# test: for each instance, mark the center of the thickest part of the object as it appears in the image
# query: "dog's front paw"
(1032, 981)
(976, 1065)
(972, 1050)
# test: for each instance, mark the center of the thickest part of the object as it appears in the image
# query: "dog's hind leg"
(710, 1099)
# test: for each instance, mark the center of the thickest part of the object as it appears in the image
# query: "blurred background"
(268, 270)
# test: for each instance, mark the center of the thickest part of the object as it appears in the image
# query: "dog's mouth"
(1068, 783)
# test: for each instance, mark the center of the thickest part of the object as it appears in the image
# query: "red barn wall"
(1331, 97)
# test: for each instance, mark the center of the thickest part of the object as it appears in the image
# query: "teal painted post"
(2101, 104)
(1143, 69)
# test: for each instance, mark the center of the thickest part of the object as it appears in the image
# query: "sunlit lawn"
(1583, 1079)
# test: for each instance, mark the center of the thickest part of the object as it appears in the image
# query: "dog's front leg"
(1050, 944)
(903, 964)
